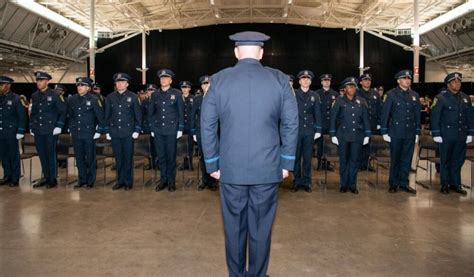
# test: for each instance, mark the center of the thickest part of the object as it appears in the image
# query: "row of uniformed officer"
(310, 128)
(349, 129)
(12, 128)
(207, 180)
(166, 115)
(452, 127)
(48, 115)
(86, 123)
(188, 101)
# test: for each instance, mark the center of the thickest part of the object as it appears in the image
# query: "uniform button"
(41, 104)
(352, 106)
(163, 109)
(79, 108)
(163, 102)
(163, 124)
(353, 122)
(305, 118)
(120, 120)
(41, 124)
(163, 116)
(304, 125)
(39, 110)
(353, 115)
(120, 106)
(353, 129)
(79, 122)
(119, 112)
(448, 126)
(78, 129)
(79, 115)
(41, 117)
(120, 127)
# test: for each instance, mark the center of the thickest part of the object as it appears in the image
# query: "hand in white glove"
(317, 135)
(31, 133)
(468, 139)
(195, 138)
(135, 135)
(417, 138)
(216, 174)
(387, 138)
(152, 134)
(96, 135)
(108, 137)
(56, 131)
(335, 140)
(19, 136)
(285, 173)
(378, 127)
(438, 139)
(180, 134)
(366, 141)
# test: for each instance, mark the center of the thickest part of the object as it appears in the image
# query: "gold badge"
(434, 102)
(61, 97)
(100, 104)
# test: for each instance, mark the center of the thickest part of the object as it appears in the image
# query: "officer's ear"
(236, 53)
(260, 53)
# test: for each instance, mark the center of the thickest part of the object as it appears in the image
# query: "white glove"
(366, 140)
(378, 127)
(19, 136)
(317, 135)
(152, 134)
(180, 134)
(56, 131)
(195, 138)
(108, 137)
(438, 139)
(96, 135)
(387, 138)
(335, 141)
(417, 138)
(468, 139)
(135, 135)
(31, 133)
(285, 173)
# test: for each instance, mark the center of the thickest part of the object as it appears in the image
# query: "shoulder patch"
(435, 101)
(61, 97)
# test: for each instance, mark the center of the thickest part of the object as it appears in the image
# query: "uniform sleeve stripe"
(211, 160)
(286, 157)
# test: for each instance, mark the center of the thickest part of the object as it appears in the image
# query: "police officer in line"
(327, 96)
(123, 119)
(374, 103)
(60, 89)
(150, 89)
(400, 126)
(48, 115)
(97, 90)
(349, 129)
(12, 128)
(258, 119)
(166, 115)
(207, 180)
(86, 123)
(452, 127)
(60, 148)
(188, 100)
(309, 129)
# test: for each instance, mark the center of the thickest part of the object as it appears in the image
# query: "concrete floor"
(67, 232)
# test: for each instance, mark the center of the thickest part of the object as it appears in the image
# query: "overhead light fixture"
(212, 2)
(231, 22)
(447, 17)
(217, 15)
(290, 2)
(1, 57)
(307, 23)
(271, 21)
(44, 12)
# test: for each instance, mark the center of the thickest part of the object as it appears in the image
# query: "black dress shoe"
(41, 183)
(354, 191)
(5, 182)
(202, 186)
(80, 185)
(172, 187)
(308, 189)
(117, 186)
(342, 190)
(214, 187)
(52, 184)
(392, 189)
(14, 184)
(89, 186)
(161, 186)
(409, 190)
(371, 168)
(460, 190)
(444, 190)
(128, 187)
(294, 188)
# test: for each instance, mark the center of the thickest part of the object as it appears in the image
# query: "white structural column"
(361, 52)
(416, 42)
(144, 68)
(92, 49)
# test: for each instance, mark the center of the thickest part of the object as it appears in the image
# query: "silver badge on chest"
(173, 97)
(358, 101)
(312, 98)
(49, 98)
(9, 102)
(414, 98)
(129, 99)
(88, 103)
(465, 100)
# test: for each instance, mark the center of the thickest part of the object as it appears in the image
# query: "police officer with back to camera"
(452, 127)
(12, 129)
(400, 126)
(257, 114)
(309, 129)
(97, 91)
(123, 119)
(150, 89)
(166, 115)
(349, 129)
(207, 180)
(188, 100)
(327, 96)
(48, 114)
(86, 123)
(374, 104)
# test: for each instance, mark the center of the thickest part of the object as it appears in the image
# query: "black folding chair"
(141, 154)
(380, 154)
(104, 156)
(426, 152)
(330, 154)
(66, 148)
(28, 152)
(181, 154)
(470, 157)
